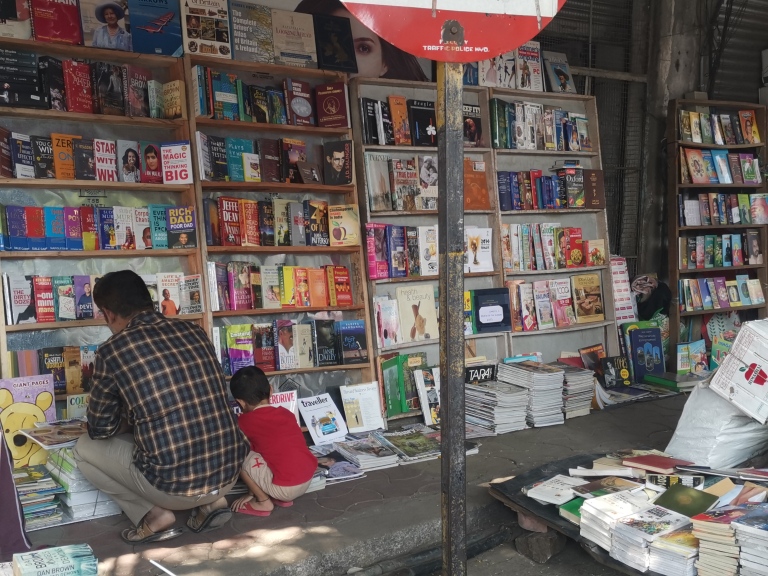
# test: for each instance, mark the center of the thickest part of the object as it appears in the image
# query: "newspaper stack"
(718, 549)
(752, 537)
(599, 515)
(633, 534)
(675, 554)
(741, 378)
(367, 453)
(37, 494)
(497, 407)
(545, 384)
(410, 445)
(81, 500)
(578, 389)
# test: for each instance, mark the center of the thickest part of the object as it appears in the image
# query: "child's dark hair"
(250, 385)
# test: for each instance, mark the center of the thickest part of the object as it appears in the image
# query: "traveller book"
(323, 419)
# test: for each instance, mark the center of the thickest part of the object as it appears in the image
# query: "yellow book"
(344, 225)
(287, 286)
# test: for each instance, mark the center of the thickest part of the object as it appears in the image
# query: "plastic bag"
(712, 432)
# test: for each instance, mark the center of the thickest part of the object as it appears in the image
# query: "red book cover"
(331, 105)
(574, 248)
(229, 221)
(249, 223)
(339, 286)
(35, 226)
(78, 87)
(660, 464)
(43, 294)
(534, 196)
(56, 21)
(89, 229)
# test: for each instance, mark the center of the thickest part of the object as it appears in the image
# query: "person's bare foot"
(159, 519)
(250, 501)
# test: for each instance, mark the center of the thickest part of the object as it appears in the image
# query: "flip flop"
(282, 503)
(143, 535)
(247, 509)
(215, 519)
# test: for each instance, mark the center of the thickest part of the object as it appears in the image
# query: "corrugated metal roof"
(740, 73)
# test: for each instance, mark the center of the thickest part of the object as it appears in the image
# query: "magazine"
(59, 434)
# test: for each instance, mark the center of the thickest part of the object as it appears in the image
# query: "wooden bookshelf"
(37, 326)
(351, 256)
(677, 230)
(80, 254)
(79, 118)
(55, 184)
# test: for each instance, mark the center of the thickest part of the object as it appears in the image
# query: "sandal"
(143, 534)
(203, 518)
(282, 503)
(248, 509)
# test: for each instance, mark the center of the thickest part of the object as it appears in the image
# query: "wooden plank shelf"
(283, 249)
(36, 114)
(718, 227)
(262, 127)
(266, 70)
(430, 278)
(685, 144)
(576, 328)
(719, 269)
(553, 153)
(721, 310)
(56, 184)
(45, 254)
(436, 341)
(89, 53)
(277, 311)
(276, 187)
(563, 211)
(569, 271)
(429, 149)
(35, 326)
(399, 213)
(681, 186)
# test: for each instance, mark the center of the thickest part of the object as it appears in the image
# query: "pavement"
(385, 515)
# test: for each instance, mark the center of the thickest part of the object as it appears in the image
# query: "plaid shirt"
(164, 375)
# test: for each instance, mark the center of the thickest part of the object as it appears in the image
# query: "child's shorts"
(260, 473)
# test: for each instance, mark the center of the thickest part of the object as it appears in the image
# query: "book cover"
(34, 219)
(104, 92)
(56, 22)
(335, 44)
(176, 163)
(155, 28)
(293, 38)
(376, 248)
(236, 147)
(282, 221)
(743, 287)
(229, 221)
(491, 310)
(157, 224)
(318, 287)
(302, 338)
(270, 286)
(84, 162)
(55, 228)
(426, 198)
(558, 73)
(344, 224)
(73, 231)
(42, 150)
(83, 298)
(387, 323)
(418, 316)
(588, 298)
(205, 29)
(647, 353)
(396, 251)
(277, 112)
(286, 352)
(168, 286)
(249, 223)
(22, 155)
(428, 255)
(412, 251)
(171, 100)
(331, 104)
(351, 341)
(338, 163)
(325, 342)
(251, 167)
(64, 298)
(18, 25)
(296, 223)
(125, 235)
(263, 346)
(180, 227)
(421, 119)
(128, 162)
(562, 302)
(475, 186)
(399, 110)
(252, 32)
(528, 67)
(240, 346)
(105, 160)
(151, 171)
(316, 223)
(106, 222)
(190, 294)
(135, 90)
(404, 183)
(63, 155)
(269, 156)
(299, 102)
(142, 229)
(43, 299)
(36, 391)
(267, 223)
(696, 166)
(339, 286)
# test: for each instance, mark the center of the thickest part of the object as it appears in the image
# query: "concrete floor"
(389, 513)
(504, 560)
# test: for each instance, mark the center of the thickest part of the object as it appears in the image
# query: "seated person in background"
(280, 466)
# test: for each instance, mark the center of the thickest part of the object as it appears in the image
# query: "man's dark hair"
(250, 385)
(123, 293)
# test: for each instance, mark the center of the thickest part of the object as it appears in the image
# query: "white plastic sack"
(713, 432)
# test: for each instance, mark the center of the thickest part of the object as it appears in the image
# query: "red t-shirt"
(273, 433)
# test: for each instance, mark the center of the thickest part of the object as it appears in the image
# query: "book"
(101, 91)
(84, 163)
(56, 22)
(344, 224)
(176, 163)
(205, 28)
(44, 299)
(331, 104)
(240, 346)
(558, 73)
(475, 186)
(557, 490)
(155, 28)
(528, 67)
(562, 302)
(339, 286)
(180, 227)
(588, 298)
(293, 39)
(399, 111)
(324, 340)
(421, 119)
(135, 90)
(264, 347)
(685, 500)
(376, 250)
(151, 167)
(418, 316)
(478, 255)
(84, 307)
(334, 43)
(63, 155)
(18, 24)
(491, 310)
(168, 287)
(52, 365)
(42, 150)
(128, 162)
(229, 221)
(544, 316)
(316, 223)
(302, 338)
(267, 223)
(299, 102)
(73, 558)
(396, 251)
(286, 358)
(378, 181)
(352, 341)
(338, 162)
(655, 463)
(252, 32)
(323, 419)
(156, 101)
(428, 254)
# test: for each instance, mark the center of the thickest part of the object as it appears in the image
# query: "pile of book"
(752, 538)
(718, 547)
(634, 533)
(560, 303)
(72, 157)
(81, 500)
(37, 493)
(290, 345)
(674, 554)
(280, 222)
(411, 184)
(548, 246)
(521, 125)
(578, 390)
(496, 407)
(411, 445)
(599, 515)
(367, 453)
(72, 559)
(42, 299)
(153, 227)
(545, 386)
(245, 286)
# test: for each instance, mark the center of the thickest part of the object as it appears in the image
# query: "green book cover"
(744, 210)
(686, 501)
(571, 511)
(390, 374)
(409, 394)
(718, 251)
(498, 123)
(709, 251)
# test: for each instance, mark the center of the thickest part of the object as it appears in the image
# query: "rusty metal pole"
(451, 243)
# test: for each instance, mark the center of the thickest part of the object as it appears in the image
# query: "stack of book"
(599, 515)
(81, 500)
(578, 390)
(37, 493)
(410, 445)
(752, 537)
(72, 559)
(675, 554)
(496, 407)
(367, 453)
(718, 547)
(548, 246)
(633, 534)
(545, 384)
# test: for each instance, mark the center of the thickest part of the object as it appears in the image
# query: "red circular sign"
(428, 28)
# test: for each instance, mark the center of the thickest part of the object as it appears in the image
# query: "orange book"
(696, 166)
(475, 186)
(318, 287)
(249, 223)
(63, 155)
(398, 110)
(301, 286)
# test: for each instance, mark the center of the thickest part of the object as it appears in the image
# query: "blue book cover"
(3, 230)
(55, 238)
(515, 191)
(709, 164)
(561, 118)
(741, 281)
(156, 27)
(720, 159)
(511, 123)
(539, 196)
(505, 196)
(352, 342)
(706, 296)
(157, 226)
(647, 354)
(17, 228)
(398, 266)
(225, 106)
(235, 149)
(107, 237)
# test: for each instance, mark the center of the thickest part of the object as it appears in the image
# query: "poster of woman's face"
(376, 58)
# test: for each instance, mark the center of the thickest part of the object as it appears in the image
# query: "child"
(280, 466)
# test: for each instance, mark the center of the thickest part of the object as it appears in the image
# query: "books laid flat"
(557, 490)
(685, 500)
(604, 486)
(660, 464)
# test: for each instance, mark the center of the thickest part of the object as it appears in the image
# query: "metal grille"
(609, 35)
